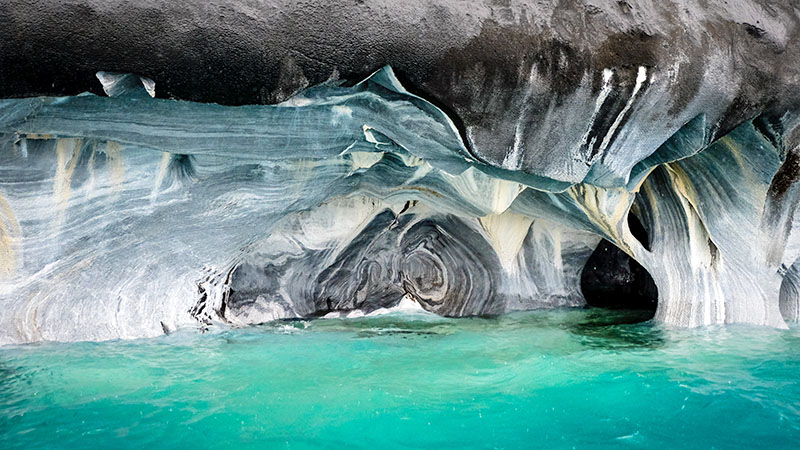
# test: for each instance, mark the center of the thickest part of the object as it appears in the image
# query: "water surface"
(556, 379)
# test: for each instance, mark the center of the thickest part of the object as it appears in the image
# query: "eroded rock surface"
(520, 136)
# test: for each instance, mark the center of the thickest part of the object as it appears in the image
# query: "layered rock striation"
(519, 137)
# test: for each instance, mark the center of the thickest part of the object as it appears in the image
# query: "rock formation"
(469, 160)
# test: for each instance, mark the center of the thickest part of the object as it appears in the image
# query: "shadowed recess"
(612, 279)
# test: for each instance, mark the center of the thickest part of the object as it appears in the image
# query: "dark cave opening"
(611, 279)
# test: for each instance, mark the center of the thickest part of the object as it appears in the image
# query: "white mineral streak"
(608, 75)
(123, 217)
(513, 159)
(162, 172)
(641, 77)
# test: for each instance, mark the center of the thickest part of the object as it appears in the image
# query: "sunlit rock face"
(532, 133)
(716, 253)
(128, 216)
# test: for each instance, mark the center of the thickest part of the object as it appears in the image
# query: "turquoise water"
(563, 379)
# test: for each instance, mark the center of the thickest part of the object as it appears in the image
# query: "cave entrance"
(611, 279)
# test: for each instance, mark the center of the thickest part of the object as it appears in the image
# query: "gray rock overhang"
(573, 92)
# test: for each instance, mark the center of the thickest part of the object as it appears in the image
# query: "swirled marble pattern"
(130, 216)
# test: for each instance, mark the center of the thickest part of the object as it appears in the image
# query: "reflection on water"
(618, 329)
(556, 379)
(597, 327)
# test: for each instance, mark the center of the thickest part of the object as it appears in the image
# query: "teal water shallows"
(563, 379)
